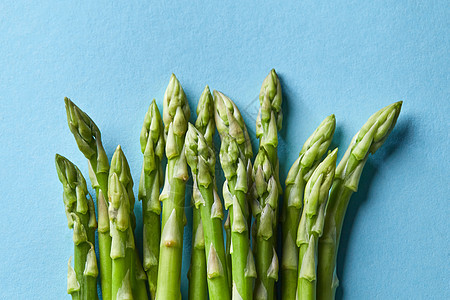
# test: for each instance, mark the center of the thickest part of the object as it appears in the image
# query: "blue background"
(349, 58)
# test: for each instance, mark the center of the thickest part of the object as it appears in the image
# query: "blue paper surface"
(349, 58)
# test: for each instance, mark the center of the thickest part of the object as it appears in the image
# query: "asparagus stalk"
(267, 188)
(227, 228)
(152, 146)
(198, 288)
(201, 158)
(311, 225)
(235, 154)
(175, 115)
(126, 269)
(119, 211)
(198, 273)
(310, 155)
(371, 137)
(80, 212)
(88, 138)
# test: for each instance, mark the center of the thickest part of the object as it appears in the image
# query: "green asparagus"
(311, 225)
(80, 212)
(88, 138)
(235, 154)
(371, 137)
(119, 166)
(201, 158)
(267, 188)
(175, 116)
(310, 237)
(152, 146)
(198, 272)
(310, 155)
(126, 269)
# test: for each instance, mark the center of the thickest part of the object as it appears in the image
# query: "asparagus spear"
(311, 225)
(88, 138)
(201, 159)
(313, 150)
(120, 179)
(175, 115)
(152, 146)
(80, 211)
(119, 211)
(235, 154)
(371, 136)
(266, 186)
(198, 273)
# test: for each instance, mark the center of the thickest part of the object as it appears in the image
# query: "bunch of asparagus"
(243, 265)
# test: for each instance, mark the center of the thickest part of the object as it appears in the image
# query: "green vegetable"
(371, 136)
(219, 270)
(198, 272)
(175, 116)
(80, 211)
(127, 273)
(227, 228)
(235, 154)
(89, 141)
(310, 155)
(311, 225)
(198, 289)
(152, 146)
(201, 159)
(267, 188)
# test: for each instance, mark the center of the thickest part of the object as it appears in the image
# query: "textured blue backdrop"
(346, 57)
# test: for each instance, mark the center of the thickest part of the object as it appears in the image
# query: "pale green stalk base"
(152, 232)
(91, 285)
(104, 238)
(289, 273)
(104, 247)
(169, 288)
(80, 253)
(227, 252)
(141, 289)
(288, 284)
(289, 227)
(212, 229)
(263, 258)
(119, 270)
(197, 274)
(301, 253)
(307, 289)
(120, 267)
(241, 246)
(169, 279)
(170, 256)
